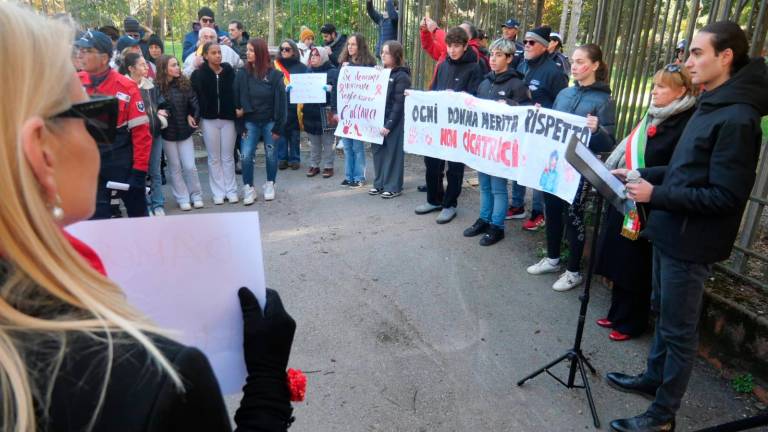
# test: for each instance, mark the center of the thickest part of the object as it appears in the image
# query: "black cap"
(328, 28)
(131, 25)
(96, 40)
(205, 11)
(125, 42)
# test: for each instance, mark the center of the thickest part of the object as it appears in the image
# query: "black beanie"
(131, 25)
(540, 34)
(205, 11)
(155, 40)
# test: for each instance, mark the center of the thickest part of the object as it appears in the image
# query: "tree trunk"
(220, 10)
(564, 17)
(271, 36)
(539, 12)
(573, 28)
(148, 19)
(161, 16)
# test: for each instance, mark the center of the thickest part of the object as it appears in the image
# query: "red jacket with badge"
(132, 120)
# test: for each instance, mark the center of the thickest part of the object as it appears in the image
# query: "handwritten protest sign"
(308, 88)
(183, 272)
(362, 96)
(517, 143)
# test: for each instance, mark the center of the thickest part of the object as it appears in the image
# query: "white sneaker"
(198, 204)
(567, 281)
(218, 201)
(269, 191)
(544, 266)
(159, 211)
(232, 198)
(185, 206)
(249, 195)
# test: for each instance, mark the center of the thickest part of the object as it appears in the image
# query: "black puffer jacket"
(507, 85)
(215, 93)
(596, 100)
(180, 103)
(699, 198)
(293, 66)
(262, 100)
(399, 82)
(462, 75)
(544, 78)
(313, 121)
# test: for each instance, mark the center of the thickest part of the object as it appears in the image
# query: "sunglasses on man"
(100, 115)
(206, 20)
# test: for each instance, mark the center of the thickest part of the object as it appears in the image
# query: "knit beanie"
(205, 11)
(155, 40)
(306, 33)
(131, 25)
(540, 34)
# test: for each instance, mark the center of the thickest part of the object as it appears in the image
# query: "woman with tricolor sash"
(288, 62)
(625, 257)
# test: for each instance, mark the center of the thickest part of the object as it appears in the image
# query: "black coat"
(596, 100)
(699, 198)
(399, 82)
(294, 66)
(215, 93)
(262, 100)
(180, 103)
(508, 86)
(313, 121)
(462, 75)
(337, 47)
(544, 78)
(628, 262)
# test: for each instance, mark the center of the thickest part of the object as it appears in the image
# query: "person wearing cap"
(386, 21)
(133, 28)
(127, 159)
(205, 19)
(305, 44)
(545, 80)
(333, 41)
(509, 30)
(555, 49)
(239, 38)
(125, 45)
(680, 52)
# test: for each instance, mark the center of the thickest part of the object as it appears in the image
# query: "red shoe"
(535, 223)
(604, 322)
(515, 213)
(618, 336)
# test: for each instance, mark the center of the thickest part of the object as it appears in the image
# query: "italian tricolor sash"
(287, 80)
(635, 159)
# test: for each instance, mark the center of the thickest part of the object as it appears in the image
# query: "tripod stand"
(575, 355)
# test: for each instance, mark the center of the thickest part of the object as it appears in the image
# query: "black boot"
(643, 423)
(492, 236)
(479, 227)
(631, 384)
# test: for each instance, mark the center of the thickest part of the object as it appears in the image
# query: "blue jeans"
(288, 146)
(493, 199)
(518, 198)
(354, 159)
(256, 131)
(156, 198)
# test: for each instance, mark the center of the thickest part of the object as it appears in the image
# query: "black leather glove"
(267, 344)
(138, 180)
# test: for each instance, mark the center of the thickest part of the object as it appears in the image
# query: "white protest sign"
(183, 272)
(308, 88)
(361, 98)
(517, 143)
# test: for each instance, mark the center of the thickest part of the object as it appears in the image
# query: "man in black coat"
(698, 201)
(333, 41)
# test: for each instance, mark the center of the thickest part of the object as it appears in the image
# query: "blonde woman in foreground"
(74, 355)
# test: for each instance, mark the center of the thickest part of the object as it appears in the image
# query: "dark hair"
(165, 81)
(262, 65)
(395, 50)
(595, 55)
(237, 24)
(207, 46)
(363, 57)
(110, 31)
(129, 60)
(294, 49)
(472, 29)
(728, 34)
(456, 35)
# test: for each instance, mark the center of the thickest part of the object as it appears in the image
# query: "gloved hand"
(138, 179)
(288, 87)
(267, 344)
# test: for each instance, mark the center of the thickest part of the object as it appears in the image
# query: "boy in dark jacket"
(387, 22)
(697, 201)
(460, 72)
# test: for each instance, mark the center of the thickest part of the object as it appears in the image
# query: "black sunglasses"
(529, 42)
(206, 20)
(100, 115)
(286, 49)
(673, 68)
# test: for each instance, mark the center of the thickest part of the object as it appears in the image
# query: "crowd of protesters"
(230, 87)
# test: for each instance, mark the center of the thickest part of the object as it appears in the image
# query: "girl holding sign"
(504, 85)
(389, 158)
(316, 116)
(589, 97)
(356, 53)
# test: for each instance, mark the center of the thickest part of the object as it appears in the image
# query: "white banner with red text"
(518, 143)
(361, 98)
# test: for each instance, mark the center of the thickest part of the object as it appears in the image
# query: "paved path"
(405, 325)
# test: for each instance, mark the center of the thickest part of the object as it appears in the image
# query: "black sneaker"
(345, 182)
(479, 227)
(355, 184)
(492, 236)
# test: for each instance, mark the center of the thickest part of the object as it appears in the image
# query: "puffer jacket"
(596, 100)
(508, 85)
(544, 78)
(180, 103)
(313, 121)
(462, 75)
(399, 82)
(387, 22)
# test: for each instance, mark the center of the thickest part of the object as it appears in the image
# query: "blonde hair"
(47, 290)
(677, 79)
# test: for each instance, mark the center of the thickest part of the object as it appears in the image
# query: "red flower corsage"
(297, 384)
(651, 131)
